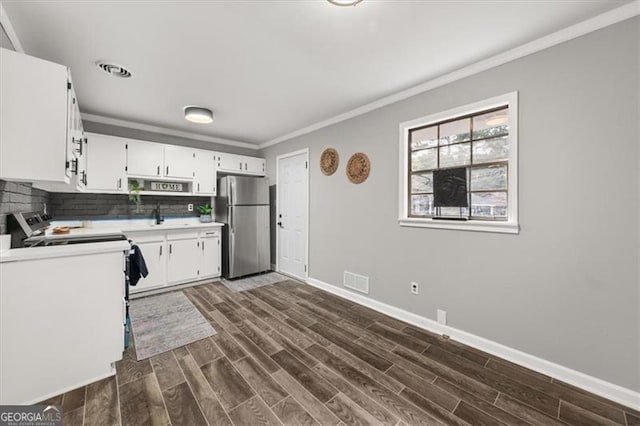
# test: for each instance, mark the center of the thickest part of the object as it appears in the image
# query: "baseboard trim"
(592, 384)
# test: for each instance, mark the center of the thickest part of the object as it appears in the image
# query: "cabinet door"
(178, 162)
(231, 163)
(184, 259)
(144, 159)
(255, 166)
(205, 173)
(155, 256)
(106, 163)
(210, 259)
(33, 119)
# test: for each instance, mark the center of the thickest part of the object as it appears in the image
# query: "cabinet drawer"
(210, 233)
(181, 235)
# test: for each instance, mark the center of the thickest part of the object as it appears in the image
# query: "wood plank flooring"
(292, 354)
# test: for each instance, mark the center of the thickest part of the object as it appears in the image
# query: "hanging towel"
(138, 267)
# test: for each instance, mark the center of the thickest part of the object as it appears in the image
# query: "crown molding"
(8, 29)
(585, 27)
(164, 131)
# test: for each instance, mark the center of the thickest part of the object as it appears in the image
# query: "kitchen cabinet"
(183, 258)
(106, 161)
(145, 159)
(178, 162)
(35, 130)
(210, 259)
(205, 167)
(240, 164)
(155, 257)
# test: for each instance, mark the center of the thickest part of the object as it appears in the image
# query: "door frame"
(278, 158)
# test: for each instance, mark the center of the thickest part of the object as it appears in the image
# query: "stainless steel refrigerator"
(242, 205)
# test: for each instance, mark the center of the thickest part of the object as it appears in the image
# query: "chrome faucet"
(159, 219)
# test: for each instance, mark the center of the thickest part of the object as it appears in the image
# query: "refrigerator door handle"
(231, 229)
(231, 197)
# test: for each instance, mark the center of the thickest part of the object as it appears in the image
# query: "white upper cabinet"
(240, 164)
(204, 182)
(34, 126)
(145, 159)
(106, 161)
(178, 162)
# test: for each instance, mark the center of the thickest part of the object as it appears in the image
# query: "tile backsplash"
(19, 197)
(72, 206)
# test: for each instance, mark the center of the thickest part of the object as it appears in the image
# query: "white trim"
(592, 384)
(278, 158)
(8, 29)
(511, 225)
(164, 130)
(585, 27)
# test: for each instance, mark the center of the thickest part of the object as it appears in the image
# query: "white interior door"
(292, 208)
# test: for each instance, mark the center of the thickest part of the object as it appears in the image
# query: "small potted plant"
(205, 213)
(134, 194)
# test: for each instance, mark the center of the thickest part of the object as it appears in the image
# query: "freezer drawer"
(246, 241)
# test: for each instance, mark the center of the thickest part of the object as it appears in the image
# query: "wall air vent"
(115, 70)
(356, 282)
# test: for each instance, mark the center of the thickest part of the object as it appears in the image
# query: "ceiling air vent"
(114, 69)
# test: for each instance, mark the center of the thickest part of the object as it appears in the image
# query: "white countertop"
(100, 228)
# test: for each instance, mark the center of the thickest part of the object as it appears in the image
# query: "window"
(470, 151)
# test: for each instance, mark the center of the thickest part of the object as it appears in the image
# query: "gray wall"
(566, 288)
(124, 132)
(74, 206)
(19, 197)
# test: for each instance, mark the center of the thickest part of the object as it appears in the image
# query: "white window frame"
(511, 225)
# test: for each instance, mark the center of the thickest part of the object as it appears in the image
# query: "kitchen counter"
(71, 250)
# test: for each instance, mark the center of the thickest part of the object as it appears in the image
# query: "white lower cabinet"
(155, 256)
(182, 264)
(177, 256)
(210, 257)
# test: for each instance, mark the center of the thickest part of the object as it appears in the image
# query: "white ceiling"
(267, 68)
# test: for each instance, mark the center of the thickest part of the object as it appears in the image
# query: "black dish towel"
(138, 267)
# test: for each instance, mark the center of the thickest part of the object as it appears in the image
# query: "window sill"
(470, 225)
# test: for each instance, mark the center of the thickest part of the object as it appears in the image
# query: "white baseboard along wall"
(584, 381)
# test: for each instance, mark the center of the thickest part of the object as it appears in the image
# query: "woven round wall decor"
(358, 168)
(329, 161)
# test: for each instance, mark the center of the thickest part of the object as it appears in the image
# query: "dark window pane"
(424, 138)
(424, 160)
(455, 155)
(488, 178)
(422, 205)
(491, 150)
(422, 182)
(491, 124)
(455, 131)
(489, 204)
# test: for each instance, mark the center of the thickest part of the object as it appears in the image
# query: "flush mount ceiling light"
(198, 114)
(113, 69)
(344, 2)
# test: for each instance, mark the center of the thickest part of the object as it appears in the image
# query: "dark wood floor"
(292, 354)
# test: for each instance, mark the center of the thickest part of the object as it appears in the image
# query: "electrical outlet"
(442, 317)
(190, 207)
(414, 287)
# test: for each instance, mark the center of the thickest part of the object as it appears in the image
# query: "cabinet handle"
(167, 170)
(84, 177)
(245, 166)
(198, 187)
(170, 249)
(119, 183)
(203, 246)
(158, 170)
(74, 166)
(160, 250)
(241, 165)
